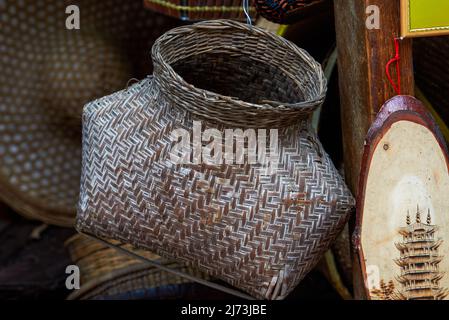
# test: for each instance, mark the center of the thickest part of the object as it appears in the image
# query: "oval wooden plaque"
(402, 225)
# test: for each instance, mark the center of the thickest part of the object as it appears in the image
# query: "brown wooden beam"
(364, 87)
(362, 57)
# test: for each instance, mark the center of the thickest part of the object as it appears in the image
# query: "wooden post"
(364, 87)
(362, 57)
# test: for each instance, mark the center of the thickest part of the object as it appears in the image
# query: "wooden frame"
(406, 23)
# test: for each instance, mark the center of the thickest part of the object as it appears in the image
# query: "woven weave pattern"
(195, 10)
(284, 11)
(106, 273)
(47, 74)
(259, 232)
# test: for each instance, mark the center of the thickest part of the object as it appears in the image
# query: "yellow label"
(425, 17)
(429, 14)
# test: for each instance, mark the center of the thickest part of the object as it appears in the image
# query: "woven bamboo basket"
(108, 274)
(47, 74)
(259, 230)
(431, 60)
(288, 11)
(195, 10)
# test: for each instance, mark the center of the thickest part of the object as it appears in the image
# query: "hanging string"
(246, 11)
(396, 59)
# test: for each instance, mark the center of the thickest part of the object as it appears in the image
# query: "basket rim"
(164, 70)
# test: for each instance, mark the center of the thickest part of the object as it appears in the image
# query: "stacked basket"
(47, 74)
(108, 274)
(193, 10)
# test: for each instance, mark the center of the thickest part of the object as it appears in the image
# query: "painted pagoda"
(419, 261)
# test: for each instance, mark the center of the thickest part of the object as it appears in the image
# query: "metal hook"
(246, 11)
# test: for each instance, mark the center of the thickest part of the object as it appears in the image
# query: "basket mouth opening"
(239, 77)
(227, 60)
